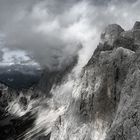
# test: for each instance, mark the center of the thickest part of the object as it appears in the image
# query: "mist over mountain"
(69, 69)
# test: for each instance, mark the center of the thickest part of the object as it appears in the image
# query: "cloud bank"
(54, 31)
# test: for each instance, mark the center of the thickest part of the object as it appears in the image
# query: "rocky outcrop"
(105, 103)
(111, 33)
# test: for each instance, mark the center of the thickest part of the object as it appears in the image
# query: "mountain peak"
(110, 33)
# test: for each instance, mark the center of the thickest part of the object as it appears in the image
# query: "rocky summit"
(105, 103)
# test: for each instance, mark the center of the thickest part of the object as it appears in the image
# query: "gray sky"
(53, 31)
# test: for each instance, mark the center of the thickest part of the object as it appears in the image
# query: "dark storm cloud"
(10, 8)
(20, 20)
(53, 31)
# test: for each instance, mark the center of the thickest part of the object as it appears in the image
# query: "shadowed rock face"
(105, 103)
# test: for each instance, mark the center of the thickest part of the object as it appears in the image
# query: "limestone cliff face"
(105, 103)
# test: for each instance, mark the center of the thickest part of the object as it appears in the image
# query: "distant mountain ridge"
(20, 76)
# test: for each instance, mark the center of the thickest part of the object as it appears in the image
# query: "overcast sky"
(53, 31)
